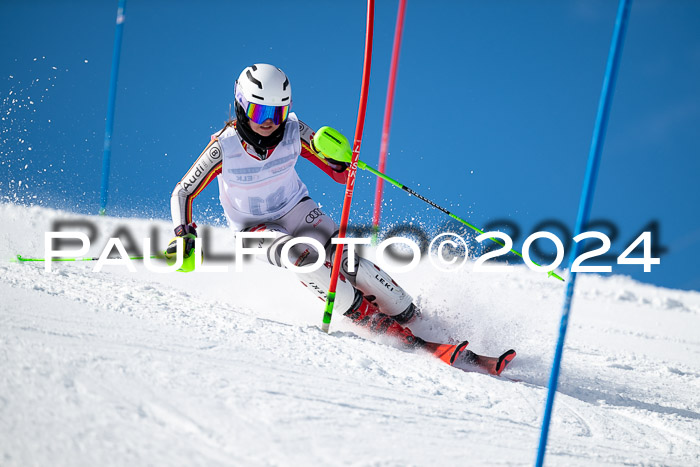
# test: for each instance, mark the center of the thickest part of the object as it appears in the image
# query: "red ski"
(458, 356)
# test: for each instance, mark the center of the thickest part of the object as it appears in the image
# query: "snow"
(117, 368)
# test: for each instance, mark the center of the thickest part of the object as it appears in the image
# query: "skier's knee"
(299, 254)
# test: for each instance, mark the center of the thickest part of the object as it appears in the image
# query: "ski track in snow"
(116, 368)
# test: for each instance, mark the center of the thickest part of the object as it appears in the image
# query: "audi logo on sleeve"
(313, 215)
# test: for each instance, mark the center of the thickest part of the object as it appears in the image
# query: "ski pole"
(22, 259)
(334, 145)
(364, 166)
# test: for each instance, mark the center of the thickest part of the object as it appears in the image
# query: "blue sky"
(494, 111)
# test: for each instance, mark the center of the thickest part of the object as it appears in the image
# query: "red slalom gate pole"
(352, 171)
(388, 108)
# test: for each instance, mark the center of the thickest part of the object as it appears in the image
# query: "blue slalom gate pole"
(585, 206)
(109, 125)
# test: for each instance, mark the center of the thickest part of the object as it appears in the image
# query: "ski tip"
(446, 352)
(504, 360)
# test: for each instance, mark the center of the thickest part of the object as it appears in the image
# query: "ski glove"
(188, 233)
(337, 166)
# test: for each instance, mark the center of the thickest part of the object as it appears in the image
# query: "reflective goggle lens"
(259, 113)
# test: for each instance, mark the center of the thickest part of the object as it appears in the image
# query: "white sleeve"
(203, 171)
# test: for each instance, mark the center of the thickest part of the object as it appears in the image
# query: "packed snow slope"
(139, 368)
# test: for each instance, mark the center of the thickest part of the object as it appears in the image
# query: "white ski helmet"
(263, 92)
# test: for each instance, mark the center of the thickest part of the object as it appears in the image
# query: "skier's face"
(265, 128)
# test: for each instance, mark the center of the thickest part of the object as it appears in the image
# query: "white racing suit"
(265, 194)
(307, 220)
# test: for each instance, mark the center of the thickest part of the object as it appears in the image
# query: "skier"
(253, 158)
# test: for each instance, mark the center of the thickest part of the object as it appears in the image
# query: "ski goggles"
(258, 113)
